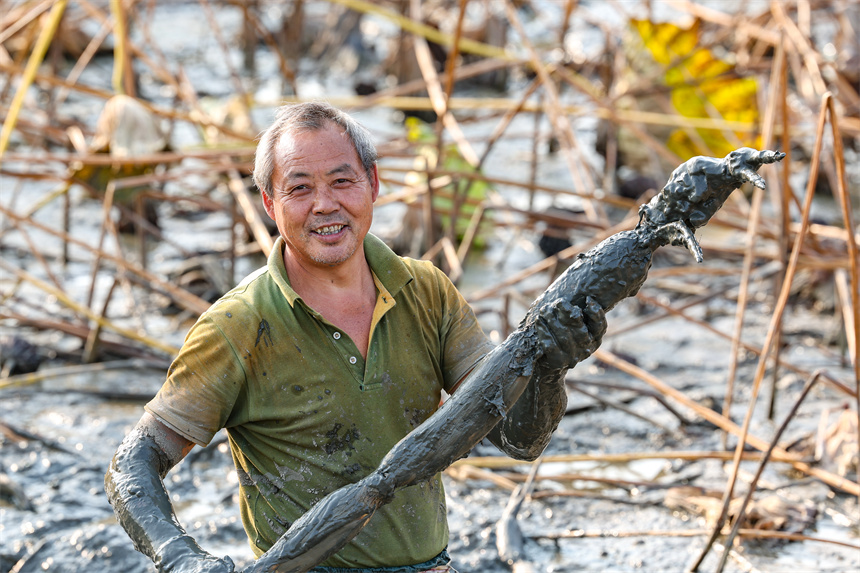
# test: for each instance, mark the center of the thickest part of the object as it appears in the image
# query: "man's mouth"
(329, 230)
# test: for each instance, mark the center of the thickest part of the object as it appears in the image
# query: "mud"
(135, 486)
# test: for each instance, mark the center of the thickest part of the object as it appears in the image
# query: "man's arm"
(135, 488)
(568, 336)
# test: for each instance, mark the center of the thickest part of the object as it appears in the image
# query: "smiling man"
(319, 363)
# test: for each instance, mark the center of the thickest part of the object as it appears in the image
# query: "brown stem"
(752, 486)
(771, 333)
(847, 215)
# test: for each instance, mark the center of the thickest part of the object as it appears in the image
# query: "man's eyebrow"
(343, 168)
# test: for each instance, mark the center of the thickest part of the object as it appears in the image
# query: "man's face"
(322, 197)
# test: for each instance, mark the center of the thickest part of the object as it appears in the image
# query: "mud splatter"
(264, 332)
(337, 443)
(415, 416)
(351, 470)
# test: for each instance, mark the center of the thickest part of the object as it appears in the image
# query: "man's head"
(316, 169)
(310, 116)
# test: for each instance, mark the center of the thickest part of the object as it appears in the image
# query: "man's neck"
(307, 278)
(344, 295)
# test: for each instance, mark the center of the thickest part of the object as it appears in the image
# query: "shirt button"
(336, 335)
(352, 360)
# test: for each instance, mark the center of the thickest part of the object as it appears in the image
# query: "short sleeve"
(463, 341)
(202, 386)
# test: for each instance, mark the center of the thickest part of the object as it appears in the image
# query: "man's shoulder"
(425, 274)
(398, 272)
(418, 267)
(247, 299)
(253, 279)
(430, 286)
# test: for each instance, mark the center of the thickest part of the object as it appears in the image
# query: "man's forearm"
(527, 429)
(135, 488)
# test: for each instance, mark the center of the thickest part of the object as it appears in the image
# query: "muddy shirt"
(306, 414)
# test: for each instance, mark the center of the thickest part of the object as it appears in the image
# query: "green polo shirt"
(306, 414)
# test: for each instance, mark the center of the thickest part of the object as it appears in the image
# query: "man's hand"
(183, 555)
(568, 334)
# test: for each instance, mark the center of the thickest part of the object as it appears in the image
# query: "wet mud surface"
(62, 521)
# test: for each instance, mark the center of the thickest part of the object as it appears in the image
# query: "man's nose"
(325, 200)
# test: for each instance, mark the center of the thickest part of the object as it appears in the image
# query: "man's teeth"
(330, 230)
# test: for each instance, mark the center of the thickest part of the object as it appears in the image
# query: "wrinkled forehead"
(325, 150)
(298, 137)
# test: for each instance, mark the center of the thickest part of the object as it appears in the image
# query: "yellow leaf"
(701, 85)
(665, 41)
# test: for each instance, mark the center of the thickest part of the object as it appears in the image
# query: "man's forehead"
(303, 140)
(291, 135)
(299, 152)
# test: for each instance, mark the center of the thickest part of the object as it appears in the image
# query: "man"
(319, 363)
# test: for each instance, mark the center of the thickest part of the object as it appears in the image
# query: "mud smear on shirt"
(264, 332)
(337, 443)
(415, 416)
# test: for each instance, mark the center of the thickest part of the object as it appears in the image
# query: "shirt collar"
(391, 271)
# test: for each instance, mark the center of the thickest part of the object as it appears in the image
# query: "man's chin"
(332, 257)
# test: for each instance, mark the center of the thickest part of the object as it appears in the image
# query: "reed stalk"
(29, 75)
(771, 333)
(65, 300)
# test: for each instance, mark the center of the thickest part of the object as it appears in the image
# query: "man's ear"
(267, 204)
(374, 183)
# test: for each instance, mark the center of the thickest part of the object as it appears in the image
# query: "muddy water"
(62, 521)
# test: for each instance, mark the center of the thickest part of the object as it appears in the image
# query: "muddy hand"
(568, 334)
(764, 157)
(183, 555)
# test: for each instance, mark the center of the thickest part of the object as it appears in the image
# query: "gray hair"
(309, 116)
